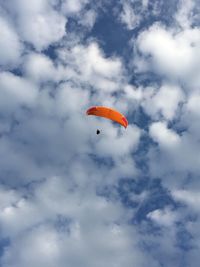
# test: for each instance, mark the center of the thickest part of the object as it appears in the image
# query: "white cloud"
(116, 145)
(88, 19)
(22, 6)
(58, 128)
(184, 14)
(106, 67)
(128, 16)
(176, 157)
(190, 115)
(39, 68)
(16, 91)
(37, 22)
(193, 104)
(48, 144)
(165, 217)
(15, 213)
(7, 197)
(87, 64)
(90, 220)
(41, 30)
(189, 197)
(166, 137)
(10, 45)
(145, 3)
(18, 166)
(166, 101)
(73, 6)
(49, 248)
(172, 54)
(70, 100)
(132, 93)
(40, 247)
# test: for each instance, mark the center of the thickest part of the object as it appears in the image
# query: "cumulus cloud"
(184, 15)
(164, 101)
(37, 23)
(172, 54)
(128, 16)
(133, 94)
(145, 3)
(87, 64)
(10, 45)
(59, 239)
(166, 137)
(188, 197)
(50, 248)
(39, 67)
(58, 113)
(192, 104)
(22, 6)
(178, 154)
(70, 7)
(95, 62)
(16, 91)
(45, 28)
(164, 217)
(120, 145)
(88, 19)
(59, 192)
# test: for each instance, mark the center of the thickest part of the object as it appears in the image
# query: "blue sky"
(127, 197)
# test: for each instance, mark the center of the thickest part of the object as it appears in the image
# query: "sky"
(127, 197)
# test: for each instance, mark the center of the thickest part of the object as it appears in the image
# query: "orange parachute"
(108, 113)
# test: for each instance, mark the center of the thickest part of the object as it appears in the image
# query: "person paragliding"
(98, 131)
(108, 113)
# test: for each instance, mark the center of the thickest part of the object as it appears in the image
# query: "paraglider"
(108, 113)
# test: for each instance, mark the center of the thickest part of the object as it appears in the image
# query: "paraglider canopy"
(108, 113)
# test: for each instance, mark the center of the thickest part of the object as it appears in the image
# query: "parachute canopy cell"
(108, 113)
